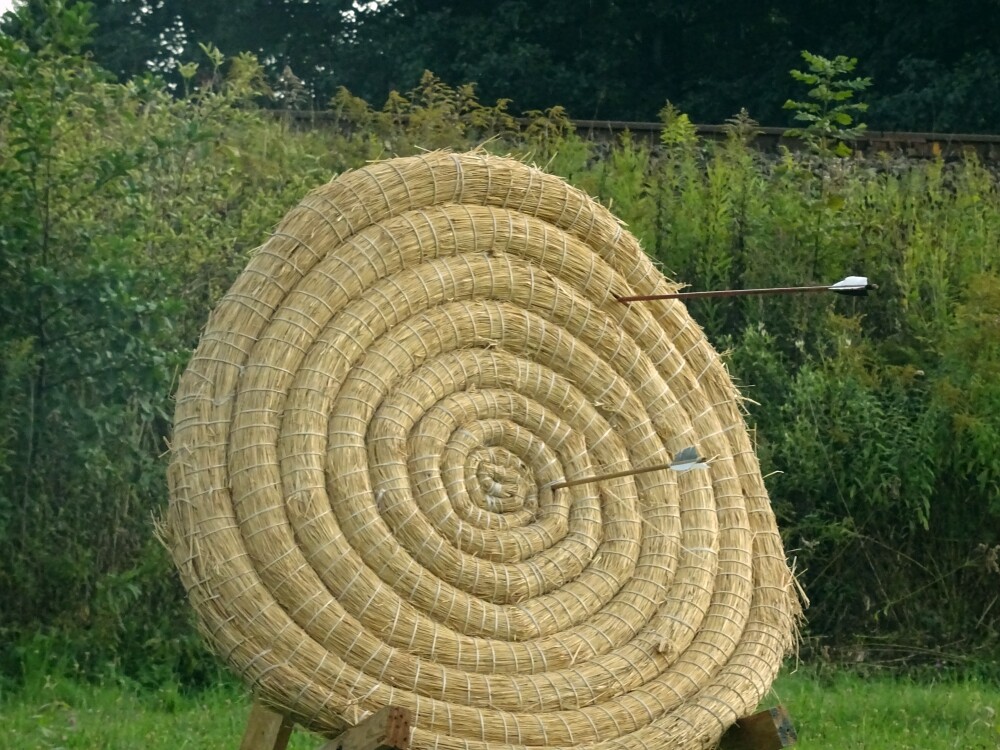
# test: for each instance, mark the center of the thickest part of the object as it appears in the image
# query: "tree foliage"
(935, 66)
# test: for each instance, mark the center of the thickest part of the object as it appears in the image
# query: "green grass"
(65, 715)
(846, 711)
(839, 711)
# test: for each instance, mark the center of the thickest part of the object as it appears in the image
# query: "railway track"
(913, 144)
(769, 138)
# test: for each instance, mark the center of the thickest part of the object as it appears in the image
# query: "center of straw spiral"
(477, 459)
(505, 485)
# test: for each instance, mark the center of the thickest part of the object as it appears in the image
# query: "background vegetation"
(936, 66)
(127, 208)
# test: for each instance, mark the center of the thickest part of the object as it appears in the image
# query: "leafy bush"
(124, 214)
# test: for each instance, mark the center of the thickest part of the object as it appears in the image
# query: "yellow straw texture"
(364, 447)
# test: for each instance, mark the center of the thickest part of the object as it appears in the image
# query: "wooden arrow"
(852, 286)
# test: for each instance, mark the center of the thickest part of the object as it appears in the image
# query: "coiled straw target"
(364, 448)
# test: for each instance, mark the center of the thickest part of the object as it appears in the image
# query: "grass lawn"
(837, 711)
(842, 711)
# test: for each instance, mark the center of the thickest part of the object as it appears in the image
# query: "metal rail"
(915, 144)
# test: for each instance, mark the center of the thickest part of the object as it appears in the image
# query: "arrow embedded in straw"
(685, 460)
(853, 286)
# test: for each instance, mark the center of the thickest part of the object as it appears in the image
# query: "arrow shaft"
(615, 475)
(734, 293)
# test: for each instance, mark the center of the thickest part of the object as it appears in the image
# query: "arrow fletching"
(853, 286)
(688, 459)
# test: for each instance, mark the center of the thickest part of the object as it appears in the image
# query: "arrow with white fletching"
(685, 460)
(852, 286)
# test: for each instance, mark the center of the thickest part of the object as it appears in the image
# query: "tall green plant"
(829, 112)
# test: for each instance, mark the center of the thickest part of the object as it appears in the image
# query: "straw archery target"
(364, 448)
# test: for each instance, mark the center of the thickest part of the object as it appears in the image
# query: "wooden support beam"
(766, 730)
(387, 729)
(266, 730)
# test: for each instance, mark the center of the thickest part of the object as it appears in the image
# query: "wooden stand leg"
(390, 728)
(765, 730)
(387, 729)
(266, 730)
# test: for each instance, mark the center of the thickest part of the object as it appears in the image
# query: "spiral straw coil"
(364, 450)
